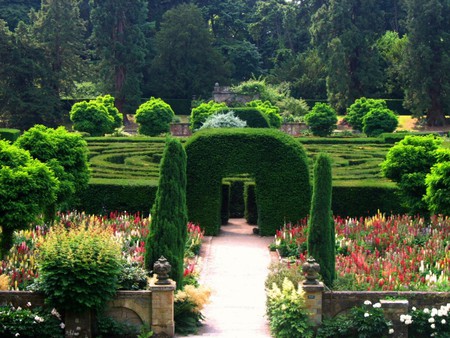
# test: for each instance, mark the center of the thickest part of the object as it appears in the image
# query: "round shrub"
(226, 120)
(203, 111)
(108, 102)
(360, 108)
(271, 111)
(79, 267)
(321, 119)
(91, 117)
(378, 121)
(154, 117)
(253, 116)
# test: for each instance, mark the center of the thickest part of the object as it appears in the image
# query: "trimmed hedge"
(225, 209)
(251, 210)
(180, 106)
(104, 196)
(9, 134)
(276, 161)
(393, 138)
(254, 117)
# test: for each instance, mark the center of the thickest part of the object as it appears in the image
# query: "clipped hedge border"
(277, 162)
(9, 134)
(251, 209)
(225, 205)
(104, 196)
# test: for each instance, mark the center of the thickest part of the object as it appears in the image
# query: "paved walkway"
(235, 266)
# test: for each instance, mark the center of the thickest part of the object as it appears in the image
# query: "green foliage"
(9, 134)
(407, 163)
(225, 204)
(30, 323)
(254, 117)
(109, 327)
(251, 210)
(427, 322)
(224, 120)
(169, 214)
(280, 271)
(321, 119)
(79, 267)
(92, 117)
(108, 102)
(27, 188)
(360, 108)
(275, 160)
(133, 276)
(378, 121)
(438, 184)
(200, 113)
(286, 311)
(362, 321)
(292, 109)
(267, 108)
(154, 117)
(66, 153)
(187, 308)
(321, 231)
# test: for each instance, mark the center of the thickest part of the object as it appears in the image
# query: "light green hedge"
(276, 161)
(9, 134)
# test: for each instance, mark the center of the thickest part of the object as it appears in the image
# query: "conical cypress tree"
(321, 231)
(168, 229)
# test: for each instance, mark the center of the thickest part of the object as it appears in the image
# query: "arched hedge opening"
(275, 160)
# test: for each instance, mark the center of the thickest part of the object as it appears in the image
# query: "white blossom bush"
(228, 120)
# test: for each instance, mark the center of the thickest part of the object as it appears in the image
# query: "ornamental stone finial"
(162, 268)
(311, 269)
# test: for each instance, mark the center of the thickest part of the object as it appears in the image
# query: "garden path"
(234, 266)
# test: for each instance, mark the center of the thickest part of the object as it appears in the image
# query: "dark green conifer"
(168, 229)
(321, 232)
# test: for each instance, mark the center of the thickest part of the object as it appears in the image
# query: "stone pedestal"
(313, 301)
(162, 309)
(393, 309)
(78, 325)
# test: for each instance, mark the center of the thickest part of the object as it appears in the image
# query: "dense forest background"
(337, 50)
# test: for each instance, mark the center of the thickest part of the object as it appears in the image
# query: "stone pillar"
(313, 301)
(78, 325)
(393, 309)
(162, 309)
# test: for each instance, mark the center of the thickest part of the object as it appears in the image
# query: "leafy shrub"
(362, 321)
(92, 117)
(279, 271)
(253, 116)
(109, 327)
(30, 323)
(154, 117)
(108, 102)
(321, 119)
(200, 113)
(359, 109)
(133, 276)
(188, 305)
(79, 267)
(225, 120)
(292, 109)
(286, 311)
(438, 187)
(9, 134)
(428, 323)
(378, 121)
(272, 112)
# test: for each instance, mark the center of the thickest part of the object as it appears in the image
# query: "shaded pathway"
(235, 267)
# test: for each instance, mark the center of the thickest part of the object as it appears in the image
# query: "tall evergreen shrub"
(321, 230)
(168, 229)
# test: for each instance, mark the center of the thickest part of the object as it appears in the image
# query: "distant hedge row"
(9, 134)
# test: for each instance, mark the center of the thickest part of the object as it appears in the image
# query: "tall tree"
(321, 229)
(168, 233)
(427, 66)
(59, 31)
(15, 11)
(345, 31)
(120, 41)
(186, 62)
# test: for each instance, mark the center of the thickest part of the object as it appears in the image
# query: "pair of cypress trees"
(321, 229)
(168, 230)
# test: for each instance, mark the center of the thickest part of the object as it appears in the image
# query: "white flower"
(431, 320)
(62, 325)
(367, 302)
(377, 305)
(17, 334)
(19, 308)
(391, 331)
(402, 318)
(367, 314)
(38, 319)
(28, 304)
(78, 328)
(433, 326)
(56, 313)
(426, 310)
(414, 308)
(443, 321)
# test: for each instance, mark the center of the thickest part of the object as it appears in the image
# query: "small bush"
(428, 323)
(203, 111)
(286, 311)
(279, 271)
(108, 102)
(225, 120)
(272, 112)
(92, 117)
(154, 117)
(79, 267)
(188, 305)
(360, 108)
(378, 121)
(321, 120)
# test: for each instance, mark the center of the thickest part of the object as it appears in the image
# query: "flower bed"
(382, 253)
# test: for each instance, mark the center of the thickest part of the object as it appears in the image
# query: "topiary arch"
(276, 161)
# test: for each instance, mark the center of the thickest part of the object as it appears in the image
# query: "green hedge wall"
(277, 162)
(254, 117)
(251, 210)
(103, 196)
(225, 204)
(9, 134)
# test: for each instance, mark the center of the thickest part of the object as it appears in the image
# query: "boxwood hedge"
(275, 160)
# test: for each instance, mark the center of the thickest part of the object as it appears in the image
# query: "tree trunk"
(435, 114)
